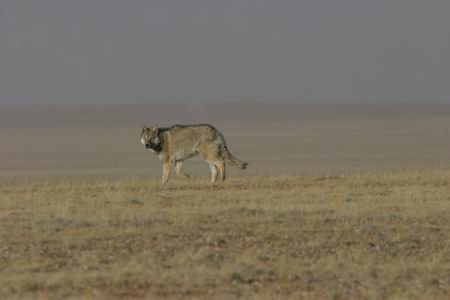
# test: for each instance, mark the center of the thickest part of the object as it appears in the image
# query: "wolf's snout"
(147, 146)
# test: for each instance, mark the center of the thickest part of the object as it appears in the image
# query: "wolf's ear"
(155, 128)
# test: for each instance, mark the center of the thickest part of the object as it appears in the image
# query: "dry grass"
(360, 236)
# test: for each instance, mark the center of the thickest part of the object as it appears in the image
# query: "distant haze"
(115, 51)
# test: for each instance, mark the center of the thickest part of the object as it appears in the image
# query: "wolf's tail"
(230, 159)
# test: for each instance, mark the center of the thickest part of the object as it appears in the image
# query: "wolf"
(180, 142)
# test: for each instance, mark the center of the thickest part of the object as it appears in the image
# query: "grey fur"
(180, 142)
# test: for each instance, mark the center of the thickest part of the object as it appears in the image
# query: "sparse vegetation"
(361, 236)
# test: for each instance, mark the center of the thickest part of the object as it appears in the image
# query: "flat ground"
(339, 202)
(366, 236)
(280, 138)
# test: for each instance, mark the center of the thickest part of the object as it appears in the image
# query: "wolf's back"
(205, 134)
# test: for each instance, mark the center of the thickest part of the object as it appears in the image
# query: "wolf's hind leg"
(178, 171)
(212, 166)
(210, 153)
(220, 165)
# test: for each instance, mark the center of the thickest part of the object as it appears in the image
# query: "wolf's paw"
(184, 176)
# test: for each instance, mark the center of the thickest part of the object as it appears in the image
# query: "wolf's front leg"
(178, 171)
(165, 171)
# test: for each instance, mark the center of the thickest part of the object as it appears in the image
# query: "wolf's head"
(150, 138)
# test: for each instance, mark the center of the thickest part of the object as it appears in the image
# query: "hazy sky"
(110, 51)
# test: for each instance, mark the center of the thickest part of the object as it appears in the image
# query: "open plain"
(339, 202)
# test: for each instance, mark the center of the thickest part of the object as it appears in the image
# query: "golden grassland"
(372, 235)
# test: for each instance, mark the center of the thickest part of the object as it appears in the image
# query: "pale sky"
(116, 51)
